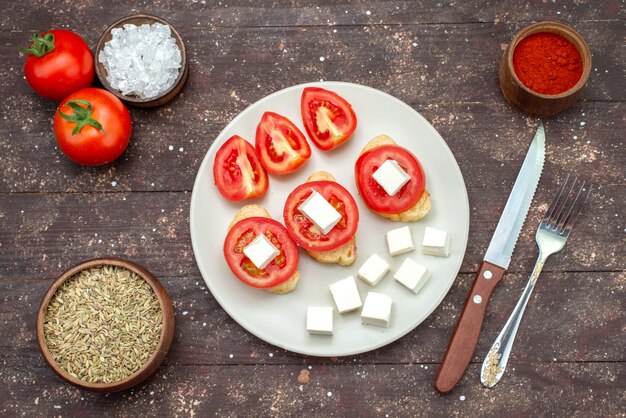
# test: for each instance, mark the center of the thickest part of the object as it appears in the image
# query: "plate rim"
(337, 353)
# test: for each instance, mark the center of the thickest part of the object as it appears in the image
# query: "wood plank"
(425, 61)
(544, 389)
(572, 317)
(243, 13)
(428, 64)
(451, 81)
(488, 140)
(41, 235)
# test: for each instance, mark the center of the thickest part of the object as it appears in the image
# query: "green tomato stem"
(40, 46)
(81, 116)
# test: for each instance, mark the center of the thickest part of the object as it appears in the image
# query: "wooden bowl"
(153, 362)
(166, 96)
(529, 101)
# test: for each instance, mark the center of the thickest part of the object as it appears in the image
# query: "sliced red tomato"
(375, 197)
(281, 146)
(305, 233)
(237, 171)
(279, 270)
(328, 118)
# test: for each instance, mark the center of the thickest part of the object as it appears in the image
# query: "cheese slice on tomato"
(317, 210)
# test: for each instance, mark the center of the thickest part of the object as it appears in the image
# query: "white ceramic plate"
(281, 319)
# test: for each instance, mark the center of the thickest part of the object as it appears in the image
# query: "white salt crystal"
(141, 60)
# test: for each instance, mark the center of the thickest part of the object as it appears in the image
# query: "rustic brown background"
(438, 56)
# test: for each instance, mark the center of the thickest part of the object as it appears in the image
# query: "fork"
(552, 233)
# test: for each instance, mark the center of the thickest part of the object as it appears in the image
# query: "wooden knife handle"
(465, 335)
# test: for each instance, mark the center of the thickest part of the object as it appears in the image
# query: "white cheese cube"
(376, 310)
(261, 251)
(400, 241)
(412, 275)
(317, 210)
(391, 177)
(436, 242)
(373, 270)
(319, 320)
(346, 295)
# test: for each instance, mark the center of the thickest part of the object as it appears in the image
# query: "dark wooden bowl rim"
(143, 18)
(155, 359)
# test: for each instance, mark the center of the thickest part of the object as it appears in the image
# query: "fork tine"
(556, 219)
(569, 206)
(555, 200)
(575, 210)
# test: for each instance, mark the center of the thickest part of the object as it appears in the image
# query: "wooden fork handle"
(465, 335)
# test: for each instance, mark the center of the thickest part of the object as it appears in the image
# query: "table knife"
(465, 335)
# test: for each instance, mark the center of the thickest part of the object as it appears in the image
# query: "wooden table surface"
(440, 57)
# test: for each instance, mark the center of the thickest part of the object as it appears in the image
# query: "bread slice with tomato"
(281, 275)
(339, 244)
(412, 201)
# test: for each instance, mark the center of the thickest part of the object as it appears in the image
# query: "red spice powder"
(547, 63)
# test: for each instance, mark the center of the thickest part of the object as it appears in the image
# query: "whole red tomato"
(92, 127)
(58, 63)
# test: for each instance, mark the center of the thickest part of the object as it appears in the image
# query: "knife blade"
(491, 270)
